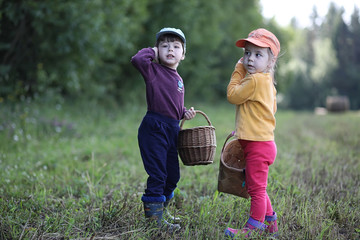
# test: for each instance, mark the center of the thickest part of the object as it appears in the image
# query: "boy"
(158, 132)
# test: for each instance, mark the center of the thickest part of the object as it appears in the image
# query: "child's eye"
(258, 55)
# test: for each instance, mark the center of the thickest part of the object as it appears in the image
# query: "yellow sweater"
(255, 98)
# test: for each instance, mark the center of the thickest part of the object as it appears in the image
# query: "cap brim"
(170, 32)
(241, 43)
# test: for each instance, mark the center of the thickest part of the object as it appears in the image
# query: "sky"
(285, 10)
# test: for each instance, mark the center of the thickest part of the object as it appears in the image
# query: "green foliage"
(212, 52)
(345, 41)
(67, 48)
(83, 48)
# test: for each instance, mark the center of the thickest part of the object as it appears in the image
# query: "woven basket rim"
(193, 128)
(222, 151)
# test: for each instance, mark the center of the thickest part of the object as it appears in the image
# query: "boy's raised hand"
(156, 59)
(189, 114)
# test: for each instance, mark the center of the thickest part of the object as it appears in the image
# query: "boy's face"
(257, 59)
(171, 53)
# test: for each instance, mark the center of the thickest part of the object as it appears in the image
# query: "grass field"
(73, 171)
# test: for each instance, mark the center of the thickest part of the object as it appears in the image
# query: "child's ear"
(183, 57)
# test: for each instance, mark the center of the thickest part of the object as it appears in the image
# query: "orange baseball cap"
(262, 38)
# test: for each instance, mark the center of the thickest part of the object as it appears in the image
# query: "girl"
(252, 90)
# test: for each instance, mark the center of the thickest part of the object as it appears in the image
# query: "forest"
(82, 49)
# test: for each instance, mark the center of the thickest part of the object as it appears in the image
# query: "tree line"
(324, 60)
(82, 49)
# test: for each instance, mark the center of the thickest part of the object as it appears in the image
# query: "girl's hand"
(189, 114)
(156, 59)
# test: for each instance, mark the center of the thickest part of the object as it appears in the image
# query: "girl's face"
(257, 59)
(171, 53)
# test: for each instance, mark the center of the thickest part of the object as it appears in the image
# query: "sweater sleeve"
(142, 61)
(241, 86)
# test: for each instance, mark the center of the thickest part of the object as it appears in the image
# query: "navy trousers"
(158, 137)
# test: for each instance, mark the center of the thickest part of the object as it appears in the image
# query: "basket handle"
(222, 150)
(228, 137)
(197, 111)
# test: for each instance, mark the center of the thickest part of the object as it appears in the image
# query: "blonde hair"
(273, 61)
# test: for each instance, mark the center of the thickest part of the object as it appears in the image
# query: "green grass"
(73, 171)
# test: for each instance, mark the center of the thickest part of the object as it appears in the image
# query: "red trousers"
(259, 156)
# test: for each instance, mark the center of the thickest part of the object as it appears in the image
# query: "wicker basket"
(231, 177)
(196, 146)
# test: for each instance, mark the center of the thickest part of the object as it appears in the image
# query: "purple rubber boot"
(271, 223)
(252, 227)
